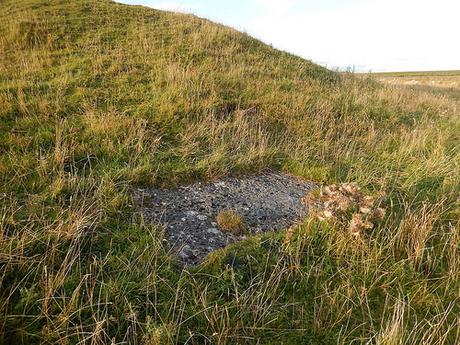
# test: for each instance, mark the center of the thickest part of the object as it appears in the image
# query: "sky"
(363, 35)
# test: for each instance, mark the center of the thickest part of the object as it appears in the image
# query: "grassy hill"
(97, 98)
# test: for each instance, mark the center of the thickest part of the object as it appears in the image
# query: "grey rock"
(214, 231)
(185, 252)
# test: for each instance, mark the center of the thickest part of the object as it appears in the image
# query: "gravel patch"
(268, 202)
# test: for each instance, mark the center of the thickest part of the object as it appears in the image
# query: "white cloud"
(377, 35)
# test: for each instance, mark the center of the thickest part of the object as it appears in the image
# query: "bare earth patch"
(268, 202)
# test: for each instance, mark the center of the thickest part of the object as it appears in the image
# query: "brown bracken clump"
(347, 205)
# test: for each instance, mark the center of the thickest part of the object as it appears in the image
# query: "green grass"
(97, 98)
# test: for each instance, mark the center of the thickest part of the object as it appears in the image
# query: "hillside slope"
(139, 65)
(97, 98)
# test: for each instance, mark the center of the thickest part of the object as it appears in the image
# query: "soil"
(269, 202)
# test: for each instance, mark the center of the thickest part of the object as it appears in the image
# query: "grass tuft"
(230, 221)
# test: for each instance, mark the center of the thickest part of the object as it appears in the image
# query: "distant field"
(418, 74)
(440, 82)
(449, 79)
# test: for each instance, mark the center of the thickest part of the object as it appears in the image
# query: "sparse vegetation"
(230, 221)
(97, 97)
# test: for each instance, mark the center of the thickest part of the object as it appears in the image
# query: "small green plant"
(347, 206)
(230, 221)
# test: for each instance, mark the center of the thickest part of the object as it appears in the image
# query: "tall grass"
(97, 98)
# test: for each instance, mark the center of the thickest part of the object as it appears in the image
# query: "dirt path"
(265, 202)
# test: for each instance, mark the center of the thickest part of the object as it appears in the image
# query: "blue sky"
(369, 35)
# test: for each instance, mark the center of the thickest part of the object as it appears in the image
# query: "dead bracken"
(348, 206)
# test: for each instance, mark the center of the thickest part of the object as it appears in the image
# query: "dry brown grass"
(230, 221)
